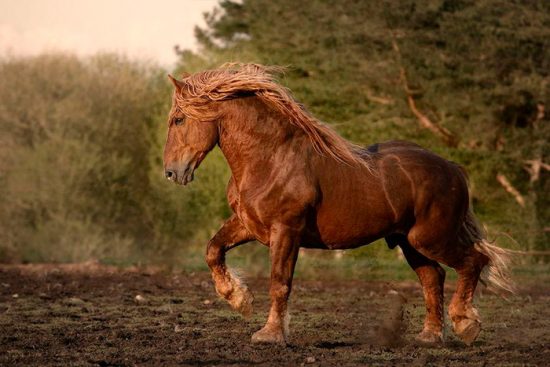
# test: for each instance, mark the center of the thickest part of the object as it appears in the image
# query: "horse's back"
(392, 144)
(421, 164)
(430, 175)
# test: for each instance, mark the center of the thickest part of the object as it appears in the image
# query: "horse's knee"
(211, 260)
(214, 255)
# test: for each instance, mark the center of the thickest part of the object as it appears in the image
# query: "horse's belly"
(338, 244)
(347, 229)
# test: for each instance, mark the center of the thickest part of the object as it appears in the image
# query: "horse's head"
(189, 140)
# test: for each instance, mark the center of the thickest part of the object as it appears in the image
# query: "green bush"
(81, 165)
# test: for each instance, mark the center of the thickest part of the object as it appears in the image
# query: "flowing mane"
(233, 80)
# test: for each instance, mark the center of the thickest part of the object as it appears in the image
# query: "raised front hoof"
(429, 338)
(269, 336)
(467, 330)
(241, 301)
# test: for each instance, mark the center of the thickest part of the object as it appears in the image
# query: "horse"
(296, 183)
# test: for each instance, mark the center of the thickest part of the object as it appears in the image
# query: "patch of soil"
(95, 315)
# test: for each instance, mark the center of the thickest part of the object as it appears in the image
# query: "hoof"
(430, 338)
(241, 300)
(269, 335)
(238, 295)
(467, 330)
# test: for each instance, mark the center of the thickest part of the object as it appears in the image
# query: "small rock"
(15, 295)
(73, 301)
(140, 299)
(164, 309)
(207, 301)
(310, 360)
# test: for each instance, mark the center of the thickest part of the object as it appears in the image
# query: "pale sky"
(138, 28)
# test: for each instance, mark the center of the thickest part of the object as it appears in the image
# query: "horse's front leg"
(227, 283)
(284, 247)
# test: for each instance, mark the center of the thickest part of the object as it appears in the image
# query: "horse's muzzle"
(180, 176)
(183, 172)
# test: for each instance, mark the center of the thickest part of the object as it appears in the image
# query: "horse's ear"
(178, 84)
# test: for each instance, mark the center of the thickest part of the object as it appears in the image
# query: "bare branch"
(511, 189)
(534, 166)
(448, 138)
(378, 99)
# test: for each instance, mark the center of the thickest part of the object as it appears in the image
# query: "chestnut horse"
(296, 183)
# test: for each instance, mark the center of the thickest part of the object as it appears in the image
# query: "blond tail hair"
(496, 274)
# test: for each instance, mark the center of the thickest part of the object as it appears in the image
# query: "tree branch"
(534, 166)
(511, 189)
(448, 138)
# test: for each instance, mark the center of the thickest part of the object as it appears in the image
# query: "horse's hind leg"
(464, 316)
(227, 283)
(432, 278)
(468, 262)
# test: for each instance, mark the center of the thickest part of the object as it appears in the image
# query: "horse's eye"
(178, 121)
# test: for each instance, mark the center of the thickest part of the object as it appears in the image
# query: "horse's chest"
(277, 201)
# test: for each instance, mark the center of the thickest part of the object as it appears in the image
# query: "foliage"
(81, 166)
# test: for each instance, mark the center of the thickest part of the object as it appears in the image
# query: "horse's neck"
(251, 134)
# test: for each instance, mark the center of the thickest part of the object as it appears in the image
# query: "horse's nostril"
(169, 174)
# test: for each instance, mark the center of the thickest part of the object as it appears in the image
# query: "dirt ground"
(96, 315)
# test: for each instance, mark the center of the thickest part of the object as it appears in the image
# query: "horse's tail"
(496, 274)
